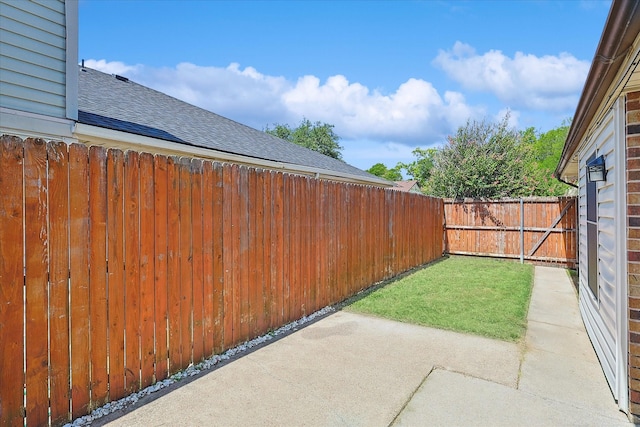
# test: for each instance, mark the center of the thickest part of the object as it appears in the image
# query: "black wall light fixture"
(596, 170)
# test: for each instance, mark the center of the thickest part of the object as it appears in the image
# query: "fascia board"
(31, 125)
(89, 134)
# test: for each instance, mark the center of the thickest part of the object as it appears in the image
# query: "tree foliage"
(491, 160)
(392, 174)
(420, 169)
(482, 161)
(547, 149)
(316, 136)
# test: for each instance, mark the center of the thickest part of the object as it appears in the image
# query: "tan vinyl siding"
(33, 51)
(634, 81)
(600, 313)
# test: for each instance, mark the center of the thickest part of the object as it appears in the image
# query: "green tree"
(483, 161)
(392, 174)
(420, 169)
(316, 136)
(547, 149)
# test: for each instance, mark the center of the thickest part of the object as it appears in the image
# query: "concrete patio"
(352, 370)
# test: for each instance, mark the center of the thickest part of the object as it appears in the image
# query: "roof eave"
(103, 136)
(620, 31)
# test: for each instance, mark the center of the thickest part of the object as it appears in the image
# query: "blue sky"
(389, 75)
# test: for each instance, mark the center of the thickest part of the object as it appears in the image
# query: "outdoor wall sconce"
(596, 170)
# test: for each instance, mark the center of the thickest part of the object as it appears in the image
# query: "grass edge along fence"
(483, 296)
(540, 230)
(118, 269)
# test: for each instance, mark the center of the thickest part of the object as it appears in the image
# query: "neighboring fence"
(541, 230)
(119, 269)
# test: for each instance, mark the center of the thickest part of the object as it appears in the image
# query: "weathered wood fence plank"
(12, 279)
(218, 259)
(173, 265)
(208, 325)
(185, 251)
(132, 271)
(197, 246)
(116, 273)
(58, 184)
(79, 278)
(98, 298)
(147, 270)
(160, 189)
(36, 283)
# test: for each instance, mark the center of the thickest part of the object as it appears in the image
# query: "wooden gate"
(540, 230)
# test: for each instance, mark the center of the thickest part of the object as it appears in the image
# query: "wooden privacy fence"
(119, 269)
(541, 230)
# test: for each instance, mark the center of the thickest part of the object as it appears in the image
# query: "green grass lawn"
(482, 296)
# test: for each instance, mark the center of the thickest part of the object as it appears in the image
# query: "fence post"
(521, 231)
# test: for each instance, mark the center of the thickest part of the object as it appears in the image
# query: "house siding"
(611, 97)
(33, 48)
(600, 312)
(633, 245)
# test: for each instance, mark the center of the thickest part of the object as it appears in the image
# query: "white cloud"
(414, 111)
(524, 81)
(414, 114)
(112, 67)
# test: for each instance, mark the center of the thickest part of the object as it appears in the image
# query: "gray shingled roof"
(120, 104)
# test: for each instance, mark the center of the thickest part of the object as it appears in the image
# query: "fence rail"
(541, 230)
(118, 269)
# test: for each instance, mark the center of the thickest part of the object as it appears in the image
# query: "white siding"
(33, 48)
(600, 314)
(607, 317)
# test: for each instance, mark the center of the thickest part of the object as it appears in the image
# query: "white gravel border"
(192, 370)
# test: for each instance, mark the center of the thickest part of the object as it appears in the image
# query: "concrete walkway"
(353, 370)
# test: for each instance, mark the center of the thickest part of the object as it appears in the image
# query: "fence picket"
(315, 242)
(36, 286)
(267, 273)
(116, 273)
(132, 271)
(98, 274)
(302, 205)
(208, 286)
(330, 245)
(173, 265)
(341, 215)
(58, 185)
(276, 252)
(334, 253)
(252, 261)
(197, 260)
(295, 237)
(218, 259)
(286, 246)
(147, 270)
(242, 293)
(259, 242)
(79, 278)
(160, 190)
(229, 254)
(12, 279)
(186, 263)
